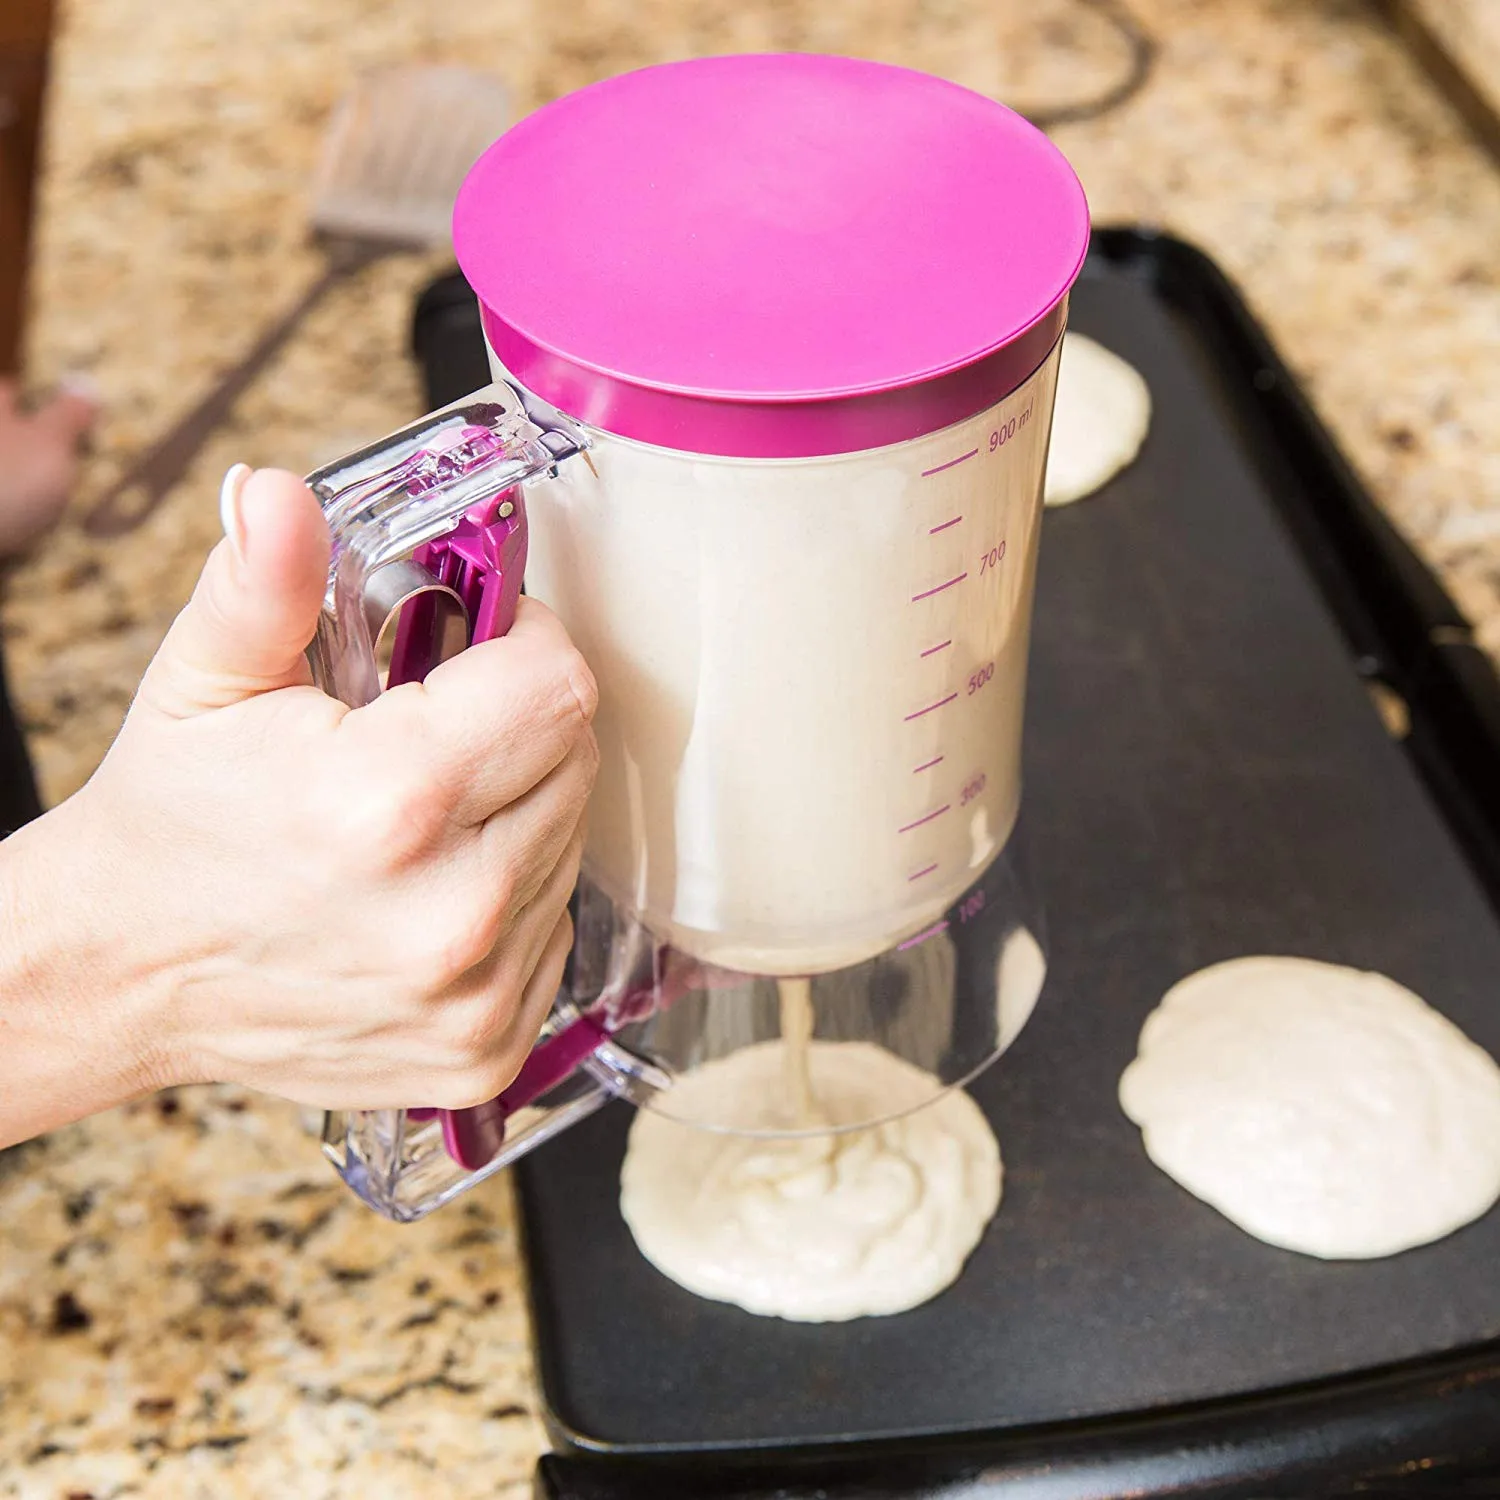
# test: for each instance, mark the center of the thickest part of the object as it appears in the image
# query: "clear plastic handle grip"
(429, 534)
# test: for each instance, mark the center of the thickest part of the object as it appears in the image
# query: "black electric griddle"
(1206, 777)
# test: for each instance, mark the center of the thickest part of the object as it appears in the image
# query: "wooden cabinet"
(25, 30)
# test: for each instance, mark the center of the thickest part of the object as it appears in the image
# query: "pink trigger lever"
(483, 560)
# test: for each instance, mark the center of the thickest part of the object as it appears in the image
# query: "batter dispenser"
(774, 343)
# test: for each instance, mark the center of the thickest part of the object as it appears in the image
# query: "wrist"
(79, 999)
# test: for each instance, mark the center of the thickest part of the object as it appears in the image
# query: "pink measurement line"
(933, 650)
(927, 594)
(922, 937)
(946, 524)
(921, 873)
(926, 765)
(931, 707)
(937, 812)
(962, 458)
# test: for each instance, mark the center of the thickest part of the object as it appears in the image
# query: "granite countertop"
(190, 1303)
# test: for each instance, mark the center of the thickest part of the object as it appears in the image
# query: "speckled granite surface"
(189, 1306)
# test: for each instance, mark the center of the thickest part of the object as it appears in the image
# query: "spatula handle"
(146, 483)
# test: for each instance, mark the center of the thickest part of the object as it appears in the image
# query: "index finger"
(494, 720)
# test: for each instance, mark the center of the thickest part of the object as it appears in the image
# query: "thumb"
(256, 605)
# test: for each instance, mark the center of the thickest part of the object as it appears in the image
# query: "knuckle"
(578, 692)
(475, 1033)
(463, 1088)
(467, 935)
(389, 821)
(456, 1089)
(479, 1063)
(503, 890)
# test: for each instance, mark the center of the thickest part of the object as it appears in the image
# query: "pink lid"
(772, 256)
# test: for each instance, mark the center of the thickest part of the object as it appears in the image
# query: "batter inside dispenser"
(828, 1223)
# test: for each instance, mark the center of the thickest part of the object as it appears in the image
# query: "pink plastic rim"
(772, 256)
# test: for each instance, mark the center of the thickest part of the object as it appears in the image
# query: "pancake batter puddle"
(1099, 423)
(1321, 1108)
(819, 1227)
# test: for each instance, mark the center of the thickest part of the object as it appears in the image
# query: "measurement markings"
(931, 708)
(922, 937)
(928, 593)
(946, 524)
(920, 873)
(952, 463)
(926, 765)
(933, 650)
(937, 812)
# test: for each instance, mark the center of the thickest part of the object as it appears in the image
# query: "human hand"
(350, 908)
(38, 460)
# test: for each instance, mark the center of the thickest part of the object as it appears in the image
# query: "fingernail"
(81, 384)
(231, 515)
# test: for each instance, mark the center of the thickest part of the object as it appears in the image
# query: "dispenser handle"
(429, 533)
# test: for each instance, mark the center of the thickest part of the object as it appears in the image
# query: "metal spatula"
(396, 150)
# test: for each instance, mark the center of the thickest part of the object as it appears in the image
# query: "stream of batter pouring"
(796, 1041)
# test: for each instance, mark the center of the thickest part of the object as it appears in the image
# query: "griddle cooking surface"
(1206, 777)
